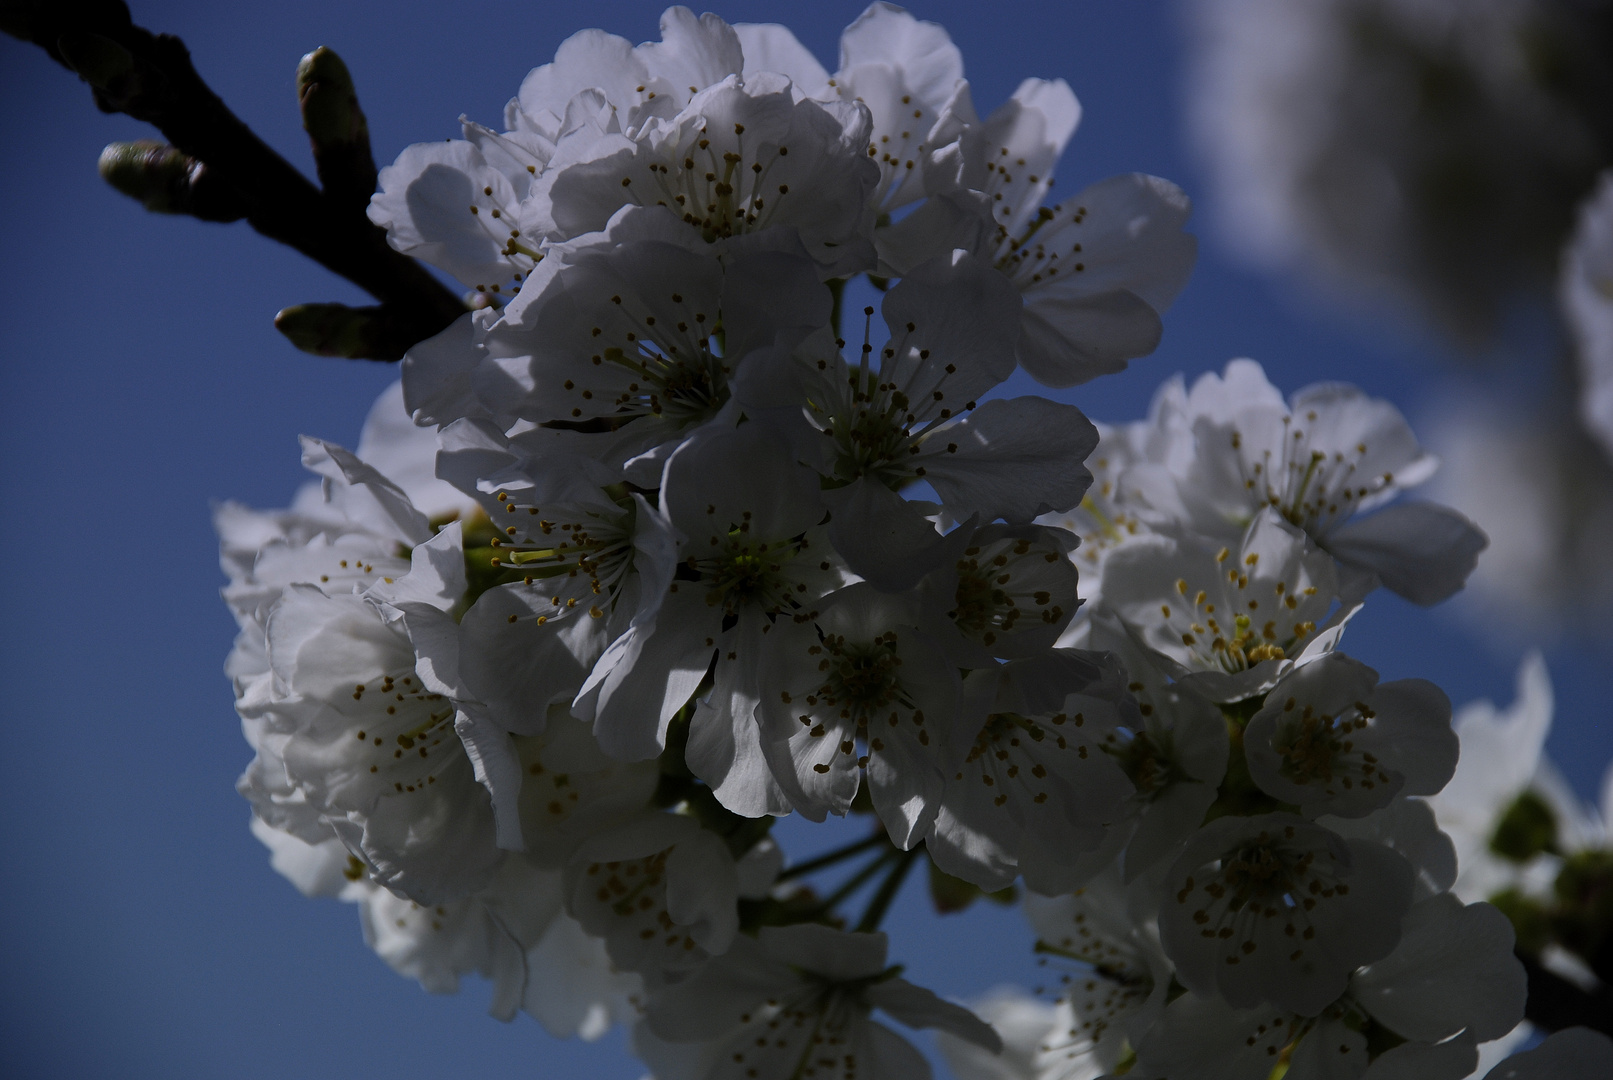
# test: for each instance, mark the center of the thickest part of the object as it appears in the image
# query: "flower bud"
(337, 131)
(168, 181)
(367, 333)
(330, 112)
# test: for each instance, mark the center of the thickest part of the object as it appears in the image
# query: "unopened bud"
(330, 112)
(367, 333)
(168, 181)
(337, 130)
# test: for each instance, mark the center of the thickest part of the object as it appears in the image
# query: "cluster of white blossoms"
(662, 558)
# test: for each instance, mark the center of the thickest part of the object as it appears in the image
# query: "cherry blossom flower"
(1273, 908)
(1036, 784)
(1452, 981)
(659, 890)
(1330, 740)
(907, 73)
(1228, 620)
(1121, 986)
(795, 1001)
(1585, 291)
(859, 687)
(1321, 458)
(741, 157)
(1095, 270)
(751, 560)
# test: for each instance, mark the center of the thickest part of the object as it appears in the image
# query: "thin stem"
(832, 857)
(856, 881)
(837, 289)
(887, 892)
(150, 77)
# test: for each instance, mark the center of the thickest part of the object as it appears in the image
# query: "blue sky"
(140, 378)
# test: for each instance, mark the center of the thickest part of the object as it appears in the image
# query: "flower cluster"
(666, 558)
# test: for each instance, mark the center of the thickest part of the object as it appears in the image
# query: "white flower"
(751, 552)
(1036, 784)
(1585, 291)
(659, 889)
(1408, 826)
(372, 748)
(861, 687)
(1502, 762)
(1574, 1053)
(574, 560)
(795, 1001)
(1121, 988)
(1330, 740)
(911, 414)
(743, 156)
(1452, 981)
(1172, 746)
(1009, 594)
(1131, 491)
(447, 204)
(1325, 456)
(636, 336)
(1020, 1020)
(513, 933)
(1273, 908)
(1228, 620)
(1095, 270)
(654, 79)
(570, 790)
(463, 205)
(1176, 758)
(390, 774)
(907, 73)
(488, 933)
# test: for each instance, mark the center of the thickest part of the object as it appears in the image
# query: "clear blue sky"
(144, 933)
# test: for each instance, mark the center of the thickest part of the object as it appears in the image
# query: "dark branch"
(150, 77)
(1555, 1003)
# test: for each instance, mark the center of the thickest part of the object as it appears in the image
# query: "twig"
(887, 893)
(150, 77)
(1555, 1003)
(832, 857)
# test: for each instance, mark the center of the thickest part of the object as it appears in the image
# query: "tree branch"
(1555, 1003)
(150, 77)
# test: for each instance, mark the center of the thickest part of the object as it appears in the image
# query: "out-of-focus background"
(1383, 191)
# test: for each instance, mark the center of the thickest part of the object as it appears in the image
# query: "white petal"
(920, 1008)
(771, 47)
(1422, 551)
(1451, 1060)
(1453, 970)
(1014, 459)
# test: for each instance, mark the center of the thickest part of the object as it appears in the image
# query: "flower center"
(750, 573)
(1313, 488)
(405, 733)
(1029, 259)
(720, 193)
(861, 678)
(569, 547)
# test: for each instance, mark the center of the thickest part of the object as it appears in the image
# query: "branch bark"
(1555, 1003)
(151, 78)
